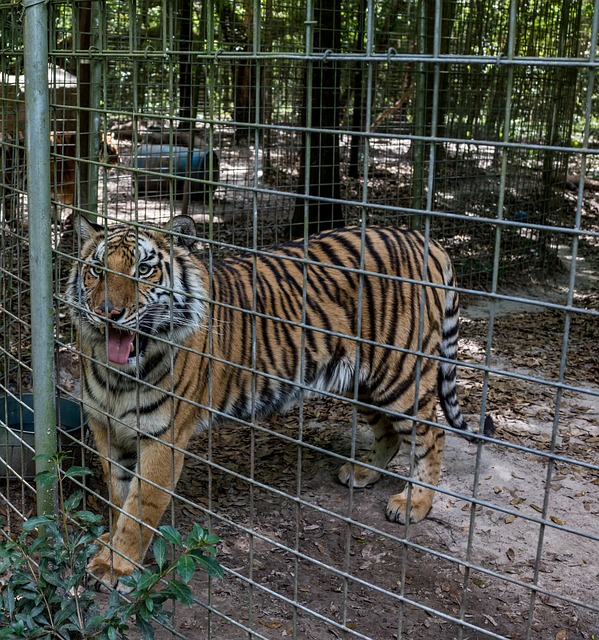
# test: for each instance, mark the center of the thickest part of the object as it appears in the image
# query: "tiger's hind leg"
(415, 501)
(384, 448)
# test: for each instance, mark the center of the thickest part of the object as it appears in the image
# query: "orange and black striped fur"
(138, 290)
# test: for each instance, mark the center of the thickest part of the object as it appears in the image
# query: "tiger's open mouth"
(120, 345)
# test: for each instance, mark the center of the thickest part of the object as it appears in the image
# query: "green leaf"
(186, 567)
(15, 630)
(212, 540)
(94, 623)
(211, 566)
(51, 577)
(45, 478)
(149, 604)
(29, 621)
(160, 552)
(127, 581)
(7, 561)
(64, 614)
(146, 580)
(143, 612)
(111, 633)
(73, 501)
(8, 598)
(196, 536)
(45, 457)
(40, 544)
(146, 630)
(37, 522)
(87, 517)
(179, 591)
(171, 535)
(163, 618)
(73, 471)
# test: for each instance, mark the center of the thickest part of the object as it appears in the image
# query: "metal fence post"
(40, 249)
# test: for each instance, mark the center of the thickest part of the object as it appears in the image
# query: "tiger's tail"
(447, 370)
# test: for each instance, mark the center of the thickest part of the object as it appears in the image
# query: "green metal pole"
(95, 99)
(37, 135)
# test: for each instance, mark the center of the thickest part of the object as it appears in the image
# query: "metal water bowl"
(161, 159)
(17, 436)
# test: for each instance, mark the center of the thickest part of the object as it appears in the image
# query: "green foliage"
(44, 592)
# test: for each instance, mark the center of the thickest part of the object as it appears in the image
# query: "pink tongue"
(119, 345)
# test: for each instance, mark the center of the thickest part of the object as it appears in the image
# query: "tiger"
(171, 343)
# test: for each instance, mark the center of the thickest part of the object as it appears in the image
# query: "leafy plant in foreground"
(44, 590)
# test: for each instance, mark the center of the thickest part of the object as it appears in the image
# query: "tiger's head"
(133, 287)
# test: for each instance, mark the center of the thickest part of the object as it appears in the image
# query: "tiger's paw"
(108, 568)
(420, 502)
(354, 475)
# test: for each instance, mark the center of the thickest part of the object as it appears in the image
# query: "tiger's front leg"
(415, 501)
(147, 497)
(117, 466)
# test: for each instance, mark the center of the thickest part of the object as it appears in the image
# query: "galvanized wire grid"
(464, 122)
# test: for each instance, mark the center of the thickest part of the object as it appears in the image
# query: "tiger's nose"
(109, 310)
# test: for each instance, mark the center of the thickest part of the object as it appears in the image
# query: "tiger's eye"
(144, 269)
(95, 271)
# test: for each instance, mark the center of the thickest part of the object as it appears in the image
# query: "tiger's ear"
(185, 226)
(84, 228)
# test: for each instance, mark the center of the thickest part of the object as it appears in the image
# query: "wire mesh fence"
(215, 139)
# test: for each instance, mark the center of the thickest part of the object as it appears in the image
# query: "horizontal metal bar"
(390, 57)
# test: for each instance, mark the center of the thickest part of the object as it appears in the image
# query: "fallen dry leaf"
(270, 624)
(490, 619)
(536, 507)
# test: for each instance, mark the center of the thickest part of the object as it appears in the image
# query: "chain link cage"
(266, 122)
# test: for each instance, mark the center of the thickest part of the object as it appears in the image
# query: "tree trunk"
(425, 97)
(245, 82)
(320, 149)
(81, 196)
(186, 80)
(358, 114)
(187, 90)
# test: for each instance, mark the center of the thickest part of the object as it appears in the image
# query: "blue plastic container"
(165, 161)
(17, 437)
